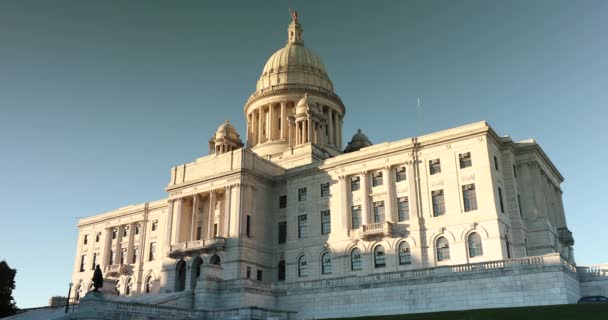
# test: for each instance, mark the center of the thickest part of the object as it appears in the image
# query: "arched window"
(91, 286)
(475, 248)
(281, 273)
(215, 259)
(129, 287)
(379, 257)
(326, 263)
(196, 271)
(118, 287)
(78, 292)
(148, 285)
(443, 249)
(355, 259)
(405, 256)
(180, 276)
(302, 267)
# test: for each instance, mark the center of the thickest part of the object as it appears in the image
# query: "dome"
(359, 140)
(294, 66)
(302, 105)
(226, 130)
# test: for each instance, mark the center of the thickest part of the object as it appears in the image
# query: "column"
(248, 130)
(194, 215)
(225, 231)
(107, 238)
(391, 211)
(309, 128)
(344, 208)
(364, 199)
(259, 111)
(271, 123)
(210, 214)
(289, 131)
(178, 223)
(330, 123)
(118, 247)
(283, 121)
(168, 226)
(340, 132)
(130, 244)
(336, 139)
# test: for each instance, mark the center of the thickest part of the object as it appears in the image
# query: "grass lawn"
(590, 311)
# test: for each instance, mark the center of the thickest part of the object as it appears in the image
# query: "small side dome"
(225, 139)
(359, 140)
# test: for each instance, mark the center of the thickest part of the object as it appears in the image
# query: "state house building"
(289, 223)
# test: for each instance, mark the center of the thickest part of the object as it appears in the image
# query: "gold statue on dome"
(294, 15)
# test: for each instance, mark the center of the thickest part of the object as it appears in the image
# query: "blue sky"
(99, 99)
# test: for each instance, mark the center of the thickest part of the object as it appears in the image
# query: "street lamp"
(67, 301)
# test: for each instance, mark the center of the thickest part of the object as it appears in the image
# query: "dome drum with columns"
(294, 76)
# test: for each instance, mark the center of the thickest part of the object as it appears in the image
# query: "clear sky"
(99, 99)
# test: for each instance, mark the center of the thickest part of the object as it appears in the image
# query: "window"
(405, 256)
(521, 212)
(379, 212)
(152, 251)
(495, 163)
(438, 203)
(95, 262)
(326, 263)
(400, 174)
(302, 194)
(199, 231)
(282, 231)
(508, 245)
(469, 197)
(443, 249)
(377, 179)
(248, 273)
(114, 233)
(475, 248)
(302, 226)
(403, 209)
(355, 183)
(125, 231)
(215, 227)
(215, 260)
(98, 237)
(325, 222)
(259, 275)
(112, 257)
(356, 217)
(137, 228)
(302, 267)
(129, 286)
(434, 166)
(248, 226)
(514, 172)
(355, 259)
(379, 257)
(135, 254)
(283, 202)
(83, 259)
(154, 225)
(123, 256)
(85, 239)
(281, 271)
(148, 287)
(325, 189)
(502, 206)
(465, 160)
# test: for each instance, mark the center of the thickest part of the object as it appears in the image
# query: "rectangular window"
(114, 233)
(355, 183)
(356, 216)
(377, 179)
(469, 197)
(438, 203)
(154, 225)
(325, 189)
(403, 209)
(282, 231)
(325, 222)
(434, 166)
(95, 262)
(302, 194)
(400, 174)
(379, 212)
(248, 274)
(215, 230)
(83, 259)
(125, 232)
(465, 160)
(152, 251)
(199, 231)
(283, 202)
(135, 254)
(86, 239)
(302, 226)
(123, 256)
(112, 257)
(137, 228)
(502, 205)
(496, 163)
(98, 237)
(514, 172)
(248, 226)
(259, 275)
(521, 212)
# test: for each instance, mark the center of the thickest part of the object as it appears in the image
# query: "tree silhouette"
(7, 284)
